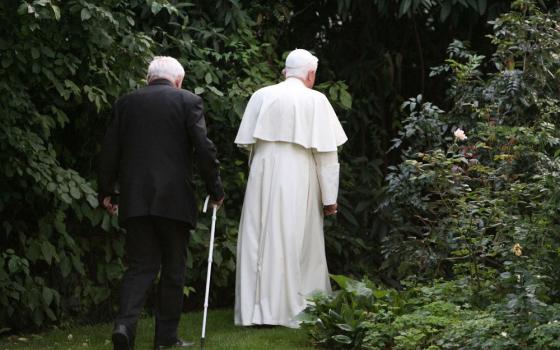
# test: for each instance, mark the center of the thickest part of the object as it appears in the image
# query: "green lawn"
(220, 334)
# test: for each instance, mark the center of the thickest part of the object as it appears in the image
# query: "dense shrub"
(480, 212)
(63, 65)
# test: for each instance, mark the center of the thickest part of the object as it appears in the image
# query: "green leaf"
(85, 14)
(445, 10)
(198, 90)
(343, 339)
(208, 78)
(65, 267)
(216, 91)
(345, 99)
(75, 192)
(78, 266)
(38, 316)
(35, 53)
(156, 7)
(66, 198)
(345, 327)
(106, 223)
(341, 280)
(50, 314)
(359, 288)
(48, 295)
(404, 8)
(92, 201)
(25, 8)
(482, 4)
(380, 293)
(49, 251)
(56, 11)
(13, 265)
(101, 295)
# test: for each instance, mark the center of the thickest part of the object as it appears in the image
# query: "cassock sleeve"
(245, 134)
(328, 171)
(109, 158)
(205, 152)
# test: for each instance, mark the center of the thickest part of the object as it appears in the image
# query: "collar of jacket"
(161, 82)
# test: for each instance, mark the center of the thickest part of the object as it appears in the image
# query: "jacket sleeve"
(328, 171)
(109, 158)
(205, 151)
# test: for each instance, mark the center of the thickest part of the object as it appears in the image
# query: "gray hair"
(300, 62)
(165, 67)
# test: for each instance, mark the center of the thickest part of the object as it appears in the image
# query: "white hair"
(165, 67)
(299, 62)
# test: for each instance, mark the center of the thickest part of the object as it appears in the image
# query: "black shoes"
(121, 340)
(178, 344)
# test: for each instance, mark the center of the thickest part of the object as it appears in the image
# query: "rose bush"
(479, 211)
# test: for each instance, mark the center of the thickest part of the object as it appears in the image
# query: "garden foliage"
(479, 214)
(65, 62)
(63, 65)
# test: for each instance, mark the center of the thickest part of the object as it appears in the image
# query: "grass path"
(220, 334)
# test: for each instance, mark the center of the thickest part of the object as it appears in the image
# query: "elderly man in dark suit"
(147, 154)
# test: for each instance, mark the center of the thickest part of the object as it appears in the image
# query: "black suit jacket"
(148, 153)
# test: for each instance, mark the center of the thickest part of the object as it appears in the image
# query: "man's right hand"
(330, 209)
(111, 208)
(217, 203)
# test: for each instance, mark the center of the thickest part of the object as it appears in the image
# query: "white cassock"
(293, 134)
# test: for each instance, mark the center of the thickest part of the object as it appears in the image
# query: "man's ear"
(178, 83)
(310, 76)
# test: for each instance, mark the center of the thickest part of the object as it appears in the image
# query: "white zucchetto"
(300, 58)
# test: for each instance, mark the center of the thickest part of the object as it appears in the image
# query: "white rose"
(460, 135)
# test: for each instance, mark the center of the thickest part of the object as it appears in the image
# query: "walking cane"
(212, 229)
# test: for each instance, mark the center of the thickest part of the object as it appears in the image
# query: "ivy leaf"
(66, 198)
(56, 11)
(49, 251)
(345, 99)
(35, 53)
(50, 314)
(156, 7)
(48, 295)
(445, 11)
(216, 91)
(65, 267)
(74, 192)
(92, 200)
(85, 14)
(106, 223)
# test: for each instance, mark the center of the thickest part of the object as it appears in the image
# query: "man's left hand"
(111, 208)
(218, 203)
(330, 209)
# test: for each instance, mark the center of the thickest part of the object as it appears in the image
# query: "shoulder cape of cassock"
(291, 112)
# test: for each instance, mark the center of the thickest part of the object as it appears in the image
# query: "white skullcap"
(299, 62)
(165, 67)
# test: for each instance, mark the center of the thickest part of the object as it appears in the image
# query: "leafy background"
(403, 210)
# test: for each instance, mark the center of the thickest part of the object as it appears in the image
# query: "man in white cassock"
(292, 133)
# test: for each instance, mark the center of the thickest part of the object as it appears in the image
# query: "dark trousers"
(153, 242)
